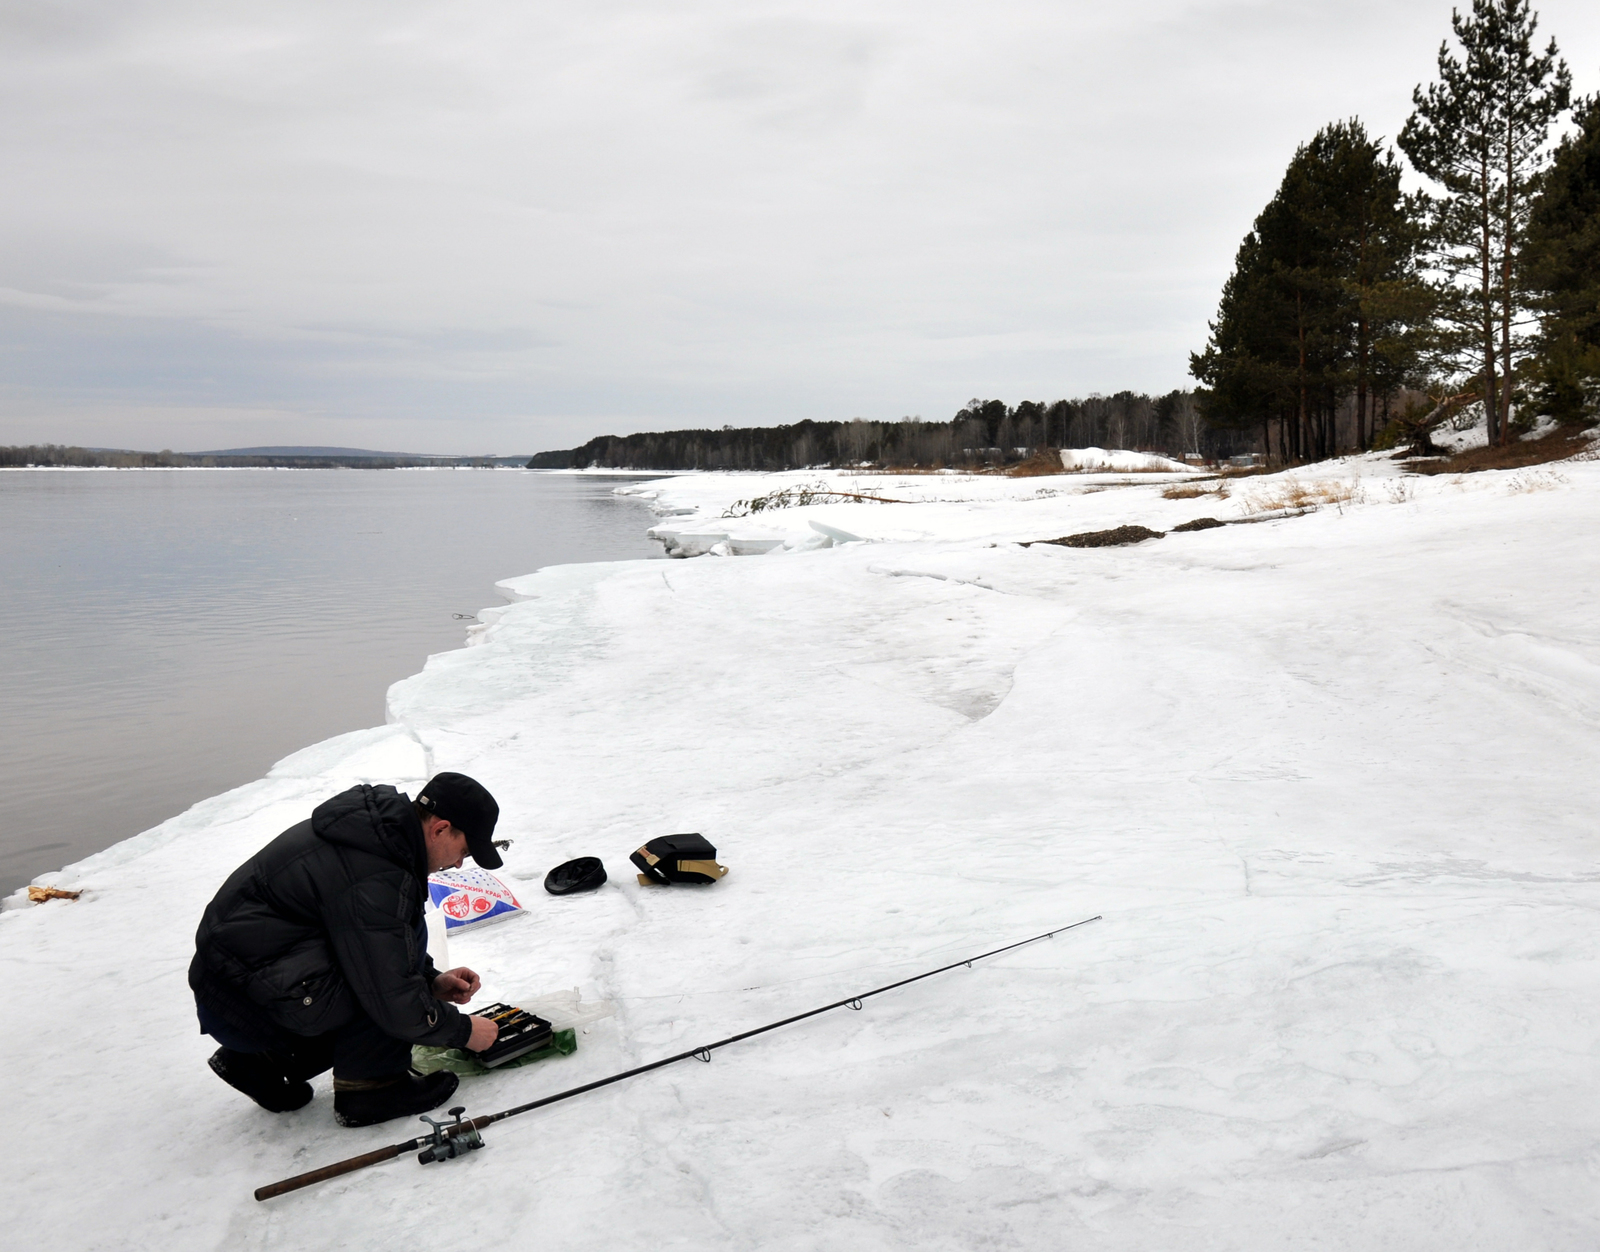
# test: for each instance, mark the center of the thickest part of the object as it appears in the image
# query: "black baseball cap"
(467, 805)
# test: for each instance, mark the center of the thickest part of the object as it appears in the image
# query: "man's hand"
(484, 1032)
(457, 986)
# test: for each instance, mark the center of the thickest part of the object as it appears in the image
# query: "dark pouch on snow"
(584, 874)
(677, 858)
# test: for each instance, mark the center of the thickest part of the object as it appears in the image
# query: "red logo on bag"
(457, 906)
(482, 904)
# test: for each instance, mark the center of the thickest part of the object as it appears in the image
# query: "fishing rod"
(452, 1139)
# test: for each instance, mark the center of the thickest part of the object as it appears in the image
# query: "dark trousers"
(358, 1049)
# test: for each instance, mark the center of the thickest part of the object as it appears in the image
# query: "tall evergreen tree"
(1563, 269)
(1375, 231)
(1298, 234)
(1244, 382)
(1480, 134)
(1325, 299)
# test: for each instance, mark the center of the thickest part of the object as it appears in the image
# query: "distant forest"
(54, 454)
(984, 433)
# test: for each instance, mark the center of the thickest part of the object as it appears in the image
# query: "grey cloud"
(791, 72)
(474, 214)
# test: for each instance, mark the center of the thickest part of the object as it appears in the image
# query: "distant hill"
(246, 458)
(347, 453)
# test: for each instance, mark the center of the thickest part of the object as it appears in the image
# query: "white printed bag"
(470, 897)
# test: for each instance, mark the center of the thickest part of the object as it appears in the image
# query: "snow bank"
(711, 513)
(1121, 461)
(1330, 779)
(1464, 432)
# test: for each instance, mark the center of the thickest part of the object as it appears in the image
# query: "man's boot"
(368, 1101)
(261, 1078)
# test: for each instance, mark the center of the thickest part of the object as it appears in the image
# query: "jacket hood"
(374, 819)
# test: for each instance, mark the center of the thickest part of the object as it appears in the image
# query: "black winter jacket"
(325, 922)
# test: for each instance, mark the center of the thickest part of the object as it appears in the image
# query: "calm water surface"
(167, 635)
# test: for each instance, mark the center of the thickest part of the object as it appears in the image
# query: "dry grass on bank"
(1045, 461)
(1537, 480)
(1193, 491)
(1294, 496)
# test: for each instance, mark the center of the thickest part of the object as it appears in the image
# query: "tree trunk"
(1302, 417)
(1362, 440)
(1506, 299)
(1363, 332)
(1491, 411)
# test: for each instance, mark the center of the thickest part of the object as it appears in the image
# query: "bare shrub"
(1537, 480)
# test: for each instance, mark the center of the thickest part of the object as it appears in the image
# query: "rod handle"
(330, 1171)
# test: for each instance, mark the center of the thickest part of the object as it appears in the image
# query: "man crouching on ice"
(315, 954)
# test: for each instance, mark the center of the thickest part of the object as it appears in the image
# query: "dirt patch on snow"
(1558, 445)
(1104, 538)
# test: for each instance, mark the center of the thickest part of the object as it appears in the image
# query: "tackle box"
(520, 1033)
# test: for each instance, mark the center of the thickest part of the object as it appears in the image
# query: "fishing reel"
(450, 1139)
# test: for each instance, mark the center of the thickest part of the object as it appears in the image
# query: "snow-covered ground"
(1468, 430)
(1464, 432)
(1331, 779)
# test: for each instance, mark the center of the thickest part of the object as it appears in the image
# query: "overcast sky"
(488, 225)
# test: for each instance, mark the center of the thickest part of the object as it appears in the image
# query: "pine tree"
(1298, 239)
(1376, 234)
(1563, 269)
(1245, 382)
(1325, 299)
(1480, 134)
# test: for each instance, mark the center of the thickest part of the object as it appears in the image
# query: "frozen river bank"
(1330, 778)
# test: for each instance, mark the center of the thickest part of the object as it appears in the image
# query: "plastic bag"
(470, 897)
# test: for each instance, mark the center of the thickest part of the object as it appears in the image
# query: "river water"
(167, 635)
